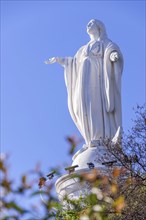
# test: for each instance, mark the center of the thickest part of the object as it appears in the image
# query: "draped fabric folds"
(94, 90)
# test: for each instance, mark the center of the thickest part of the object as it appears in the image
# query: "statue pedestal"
(96, 155)
(70, 185)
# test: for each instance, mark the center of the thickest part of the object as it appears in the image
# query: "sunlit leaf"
(119, 204)
(105, 180)
(73, 144)
(6, 184)
(42, 181)
(13, 205)
(114, 188)
(23, 179)
(2, 166)
(38, 193)
(116, 172)
(92, 176)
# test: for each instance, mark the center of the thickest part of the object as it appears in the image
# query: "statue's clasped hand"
(114, 56)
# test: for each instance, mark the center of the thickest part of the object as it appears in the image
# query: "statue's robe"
(94, 90)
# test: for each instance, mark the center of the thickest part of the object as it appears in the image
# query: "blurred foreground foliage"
(119, 195)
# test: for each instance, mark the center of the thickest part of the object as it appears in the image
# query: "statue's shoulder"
(80, 50)
(110, 45)
(107, 42)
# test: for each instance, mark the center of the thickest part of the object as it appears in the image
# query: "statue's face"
(92, 27)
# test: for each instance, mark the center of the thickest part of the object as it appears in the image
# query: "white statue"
(93, 80)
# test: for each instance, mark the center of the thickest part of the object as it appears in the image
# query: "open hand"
(59, 60)
(51, 60)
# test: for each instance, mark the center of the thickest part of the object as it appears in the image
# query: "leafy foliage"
(120, 195)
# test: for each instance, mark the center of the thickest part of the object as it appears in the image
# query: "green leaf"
(13, 205)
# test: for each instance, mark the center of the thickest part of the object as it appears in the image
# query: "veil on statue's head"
(101, 27)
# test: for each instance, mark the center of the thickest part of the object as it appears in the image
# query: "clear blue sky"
(34, 113)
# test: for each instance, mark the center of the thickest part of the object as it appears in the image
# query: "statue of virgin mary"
(93, 81)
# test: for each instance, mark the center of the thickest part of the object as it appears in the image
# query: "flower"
(84, 217)
(98, 193)
(97, 208)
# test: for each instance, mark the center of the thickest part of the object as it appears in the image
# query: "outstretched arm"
(59, 60)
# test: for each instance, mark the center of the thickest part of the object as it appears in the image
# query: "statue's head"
(96, 27)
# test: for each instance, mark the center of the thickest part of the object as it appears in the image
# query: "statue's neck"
(94, 38)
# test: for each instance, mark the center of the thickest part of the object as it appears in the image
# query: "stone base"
(96, 155)
(70, 185)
